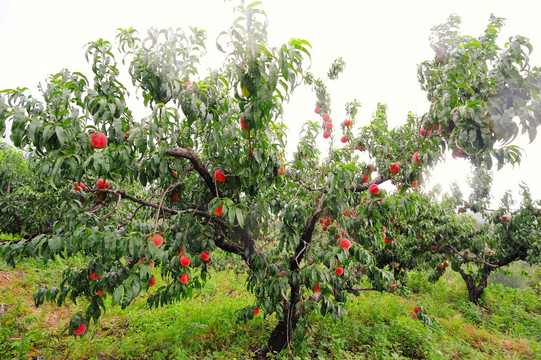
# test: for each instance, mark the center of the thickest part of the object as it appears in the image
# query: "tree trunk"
(283, 332)
(476, 290)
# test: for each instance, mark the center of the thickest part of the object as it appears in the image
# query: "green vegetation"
(145, 210)
(379, 325)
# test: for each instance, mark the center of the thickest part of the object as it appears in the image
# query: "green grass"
(379, 326)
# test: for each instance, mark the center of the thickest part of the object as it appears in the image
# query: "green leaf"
(117, 294)
(109, 242)
(33, 130)
(240, 217)
(230, 214)
(55, 244)
(55, 172)
(254, 4)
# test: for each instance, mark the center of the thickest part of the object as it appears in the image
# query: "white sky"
(381, 41)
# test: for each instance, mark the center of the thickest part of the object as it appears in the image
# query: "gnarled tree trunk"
(476, 290)
(283, 332)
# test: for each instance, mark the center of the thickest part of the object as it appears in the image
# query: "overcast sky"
(381, 41)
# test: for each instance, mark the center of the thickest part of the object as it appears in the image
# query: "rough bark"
(189, 154)
(476, 290)
(283, 332)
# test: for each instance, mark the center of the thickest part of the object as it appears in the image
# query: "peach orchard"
(205, 171)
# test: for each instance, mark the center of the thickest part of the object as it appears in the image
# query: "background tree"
(206, 169)
(27, 208)
(445, 234)
(505, 237)
(13, 172)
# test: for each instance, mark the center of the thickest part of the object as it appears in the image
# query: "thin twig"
(362, 289)
(131, 217)
(112, 211)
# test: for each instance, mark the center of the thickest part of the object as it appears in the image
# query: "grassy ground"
(379, 326)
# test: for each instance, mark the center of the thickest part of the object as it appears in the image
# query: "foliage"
(445, 235)
(517, 275)
(27, 208)
(476, 88)
(13, 169)
(379, 325)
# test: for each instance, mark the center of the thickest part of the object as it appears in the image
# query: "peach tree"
(465, 236)
(475, 243)
(27, 208)
(205, 168)
(13, 173)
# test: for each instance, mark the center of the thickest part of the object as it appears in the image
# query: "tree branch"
(189, 154)
(222, 244)
(131, 217)
(476, 260)
(307, 234)
(362, 187)
(361, 289)
(112, 211)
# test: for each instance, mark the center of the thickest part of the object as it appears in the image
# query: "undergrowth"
(378, 326)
